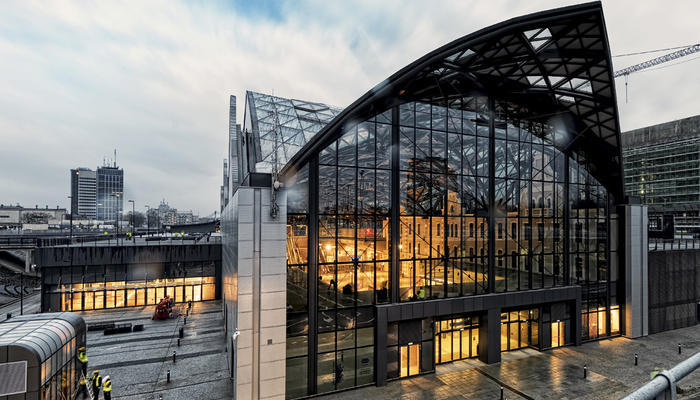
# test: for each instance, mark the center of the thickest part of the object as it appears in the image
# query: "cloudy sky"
(153, 78)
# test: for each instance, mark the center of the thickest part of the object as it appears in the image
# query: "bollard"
(501, 392)
(182, 332)
(679, 348)
(585, 371)
(160, 397)
(9, 315)
(168, 376)
(636, 359)
(178, 342)
(185, 320)
(174, 356)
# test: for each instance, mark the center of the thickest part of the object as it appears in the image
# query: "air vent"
(14, 379)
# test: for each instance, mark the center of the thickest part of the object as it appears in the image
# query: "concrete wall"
(636, 277)
(255, 292)
(674, 289)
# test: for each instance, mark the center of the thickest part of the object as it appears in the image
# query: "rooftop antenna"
(115, 158)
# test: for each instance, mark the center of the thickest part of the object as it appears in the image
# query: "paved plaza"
(555, 374)
(138, 362)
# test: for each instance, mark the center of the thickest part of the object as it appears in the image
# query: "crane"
(656, 61)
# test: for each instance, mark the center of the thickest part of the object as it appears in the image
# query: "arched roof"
(42, 334)
(552, 67)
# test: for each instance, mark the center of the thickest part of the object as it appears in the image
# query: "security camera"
(235, 334)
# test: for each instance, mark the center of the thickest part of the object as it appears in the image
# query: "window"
(528, 232)
(500, 230)
(540, 232)
(438, 229)
(514, 230)
(471, 230)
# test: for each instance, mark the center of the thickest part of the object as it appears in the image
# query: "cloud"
(152, 79)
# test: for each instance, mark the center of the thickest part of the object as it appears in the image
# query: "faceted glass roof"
(551, 67)
(295, 121)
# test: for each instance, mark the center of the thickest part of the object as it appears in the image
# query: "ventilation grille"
(14, 378)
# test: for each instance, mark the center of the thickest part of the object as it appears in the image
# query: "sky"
(152, 79)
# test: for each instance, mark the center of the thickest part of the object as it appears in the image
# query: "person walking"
(96, 384)
(82, 389)
(82, 357)
(107, 388)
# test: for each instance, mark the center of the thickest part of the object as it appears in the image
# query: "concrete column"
(636, 271)
(28, 261)
(490, 336)
(259, 252)
(380, 347)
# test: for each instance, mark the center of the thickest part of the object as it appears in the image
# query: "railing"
(106, 240)
(673, 244)
(663, 386)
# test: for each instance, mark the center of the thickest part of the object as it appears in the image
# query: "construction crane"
(656, 61)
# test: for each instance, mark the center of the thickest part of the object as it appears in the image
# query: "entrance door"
(557, 334)
(410, 359)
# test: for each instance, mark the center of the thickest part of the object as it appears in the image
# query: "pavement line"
(149, 338)
(153, 360)
(505, 385)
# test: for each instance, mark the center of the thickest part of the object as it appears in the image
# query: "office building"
(470, 204)
(83, 189)
(110, 193)
(662, 168)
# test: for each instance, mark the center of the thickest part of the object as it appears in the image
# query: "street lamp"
(148, 220)
(133, 221)
(71, 217)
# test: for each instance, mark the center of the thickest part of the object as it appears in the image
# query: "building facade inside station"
(470, 204)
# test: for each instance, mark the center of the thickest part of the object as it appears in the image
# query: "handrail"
(664, 383)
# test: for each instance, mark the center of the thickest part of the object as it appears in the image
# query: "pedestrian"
(82, 357)
(96, 384)
(421, 293)
(107, 388)
(82, 389)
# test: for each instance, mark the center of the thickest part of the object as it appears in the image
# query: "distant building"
(662, 168)
(110, 192)
(83, 193)
(35, 219)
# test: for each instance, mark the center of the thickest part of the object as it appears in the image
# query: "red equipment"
(164, 309)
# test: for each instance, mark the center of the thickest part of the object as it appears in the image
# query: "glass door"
(410, 359)
(557, 334)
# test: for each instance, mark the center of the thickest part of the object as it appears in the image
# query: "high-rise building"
(83, 193)
(110, 192)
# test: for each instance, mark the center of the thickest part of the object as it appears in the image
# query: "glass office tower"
(464, 207)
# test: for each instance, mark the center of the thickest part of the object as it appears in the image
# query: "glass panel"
(404, 361)
(414, 359)
(296, 377)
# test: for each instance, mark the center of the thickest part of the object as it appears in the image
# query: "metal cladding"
(551, 67)
(42, 334)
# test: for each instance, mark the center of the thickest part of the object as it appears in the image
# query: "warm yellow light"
(400, 246)
(328, 247)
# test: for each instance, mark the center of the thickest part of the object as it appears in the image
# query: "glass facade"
(483, 207)
(464, 174)
(80, 288)
(665, 173)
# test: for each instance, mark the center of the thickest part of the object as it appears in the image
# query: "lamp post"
(116, 212)
(148, 220)
(133, 221)
(71, 217)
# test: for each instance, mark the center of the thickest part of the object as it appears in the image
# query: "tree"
(139, 218)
